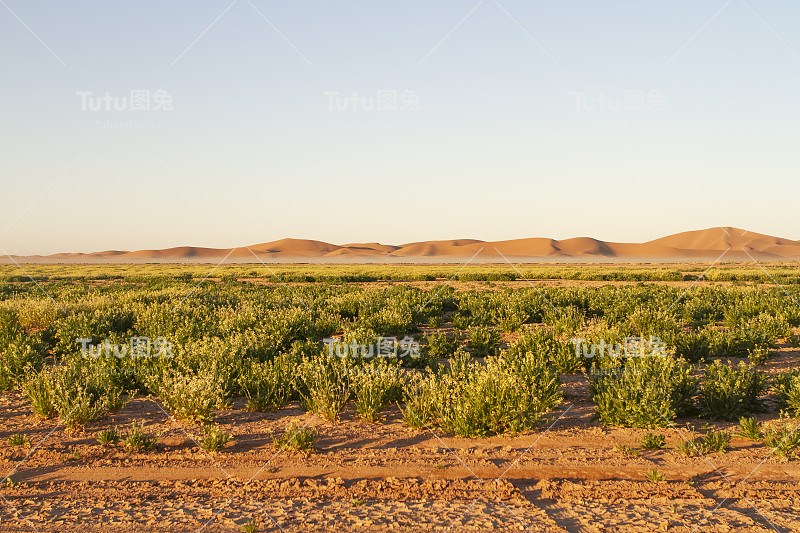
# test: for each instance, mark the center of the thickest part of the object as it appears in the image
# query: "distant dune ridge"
(741, 245)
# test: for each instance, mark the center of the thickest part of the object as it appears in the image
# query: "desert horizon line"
(693, 244)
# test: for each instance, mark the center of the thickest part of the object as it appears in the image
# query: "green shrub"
(108, 436)
(37, 390)
(545, 346)
(749, 428)
(502, 396)
(462, 321)
(772, 326)
(655, 476)
(734, 318)
(759, 355)
(738, 343)
(364, 340)
(441, 346)
(484, 342)
(694, 347)
(566, 322)
(17, 360)
(214, 438)
(653, 441)
(487, 276)
(139, 441)
(563, 358)
(249, 527)
(787, 389)
(783, 439)
(268, 385)
(510, 316)
(729, 392)
(436, 321)
(374, 386)
(78, 394)
(460, 365)
(18, 439)
(420, 394)
(646, 392)
(698, 311)
(326, 387)
(689, 447)
(297, 439)
(424, 360)
(715, 441)
(648, 323)
(190, 395)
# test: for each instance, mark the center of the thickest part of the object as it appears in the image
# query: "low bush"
(420, 395)
(297, 439)
(689, 447)
(715, 441)
(738, 343)
(266, 385)
(729, 392)
(441, 346)
(214, 438)
(17, 360)
(626, 450)
(783, 438)
(462, 321)
(759, 355)
(654, 475)
(74, 392)
(37, 390)
(436, 321)
(646, 392)
(108, 436)
(649, 323)
(510, 316)
(749, 428)
(653, 441)
(375, 385)
(484, 342)
(138, 440)
(190, 395)
(694, 347)
(566, 322)
(326, 386)
(787, 389)
(505, 395)
(77, 406)
(18, 439)
(543, 344)
(772, 326)
(250, 526)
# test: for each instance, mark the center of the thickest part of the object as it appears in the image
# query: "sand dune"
(295, 247)
(708, 244)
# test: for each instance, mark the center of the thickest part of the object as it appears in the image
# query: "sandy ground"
(566, 476)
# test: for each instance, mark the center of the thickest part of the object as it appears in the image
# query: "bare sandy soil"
(566, 476)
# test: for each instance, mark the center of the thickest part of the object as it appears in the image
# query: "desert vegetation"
(232, 339)
(496, 356)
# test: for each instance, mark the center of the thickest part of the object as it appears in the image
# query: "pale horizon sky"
(498, 120)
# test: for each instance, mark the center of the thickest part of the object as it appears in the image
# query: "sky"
(230, 123)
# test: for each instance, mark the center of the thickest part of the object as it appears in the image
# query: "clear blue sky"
(498, 130)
